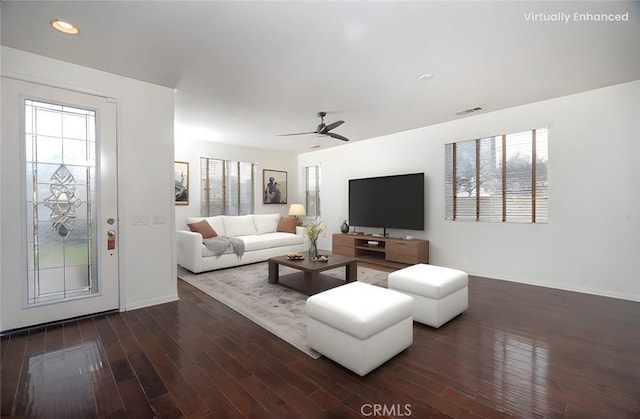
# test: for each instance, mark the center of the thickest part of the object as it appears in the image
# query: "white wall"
(145, 173)
(592, 241)
(191, 150)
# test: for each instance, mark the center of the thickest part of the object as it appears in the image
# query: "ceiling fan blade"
(297, 133)
(337, 136)
(322, 129)
(331, 126)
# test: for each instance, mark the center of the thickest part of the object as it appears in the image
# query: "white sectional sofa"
(260, 235)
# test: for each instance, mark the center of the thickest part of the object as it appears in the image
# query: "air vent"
(468, 111)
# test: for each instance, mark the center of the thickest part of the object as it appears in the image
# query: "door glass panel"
(60, 169)
(75, 152)
(48, 149)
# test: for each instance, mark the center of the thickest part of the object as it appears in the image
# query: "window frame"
(507, 196)
(312, 198)
(231, 184)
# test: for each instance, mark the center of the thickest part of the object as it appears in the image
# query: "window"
(61, 201)
(227, 187)
(312, 191)
(501, 178)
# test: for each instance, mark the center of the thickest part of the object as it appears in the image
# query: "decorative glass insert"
(60, 145)
(62, 202)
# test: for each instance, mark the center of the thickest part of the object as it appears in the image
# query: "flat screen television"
(387, 202)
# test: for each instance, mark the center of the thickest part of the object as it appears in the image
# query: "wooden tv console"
(388, 252)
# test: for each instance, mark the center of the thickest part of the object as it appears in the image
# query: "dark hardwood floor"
(518, 351)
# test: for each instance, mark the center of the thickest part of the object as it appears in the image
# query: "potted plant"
(313, 231)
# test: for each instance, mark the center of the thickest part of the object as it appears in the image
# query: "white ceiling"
(247, 71)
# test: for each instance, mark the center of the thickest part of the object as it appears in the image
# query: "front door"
(61, 260)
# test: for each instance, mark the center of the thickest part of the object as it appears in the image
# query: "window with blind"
(501, 178)
(312, 191)
(227, 187)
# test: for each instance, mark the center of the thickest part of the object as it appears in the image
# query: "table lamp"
(297, 210)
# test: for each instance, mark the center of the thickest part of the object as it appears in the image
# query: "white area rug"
(278, 309)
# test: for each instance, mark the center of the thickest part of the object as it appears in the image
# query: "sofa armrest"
(189, 249)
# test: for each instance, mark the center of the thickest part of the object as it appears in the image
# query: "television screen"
(387, 202)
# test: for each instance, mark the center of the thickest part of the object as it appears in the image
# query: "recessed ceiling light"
(425, 77)
(64, 26)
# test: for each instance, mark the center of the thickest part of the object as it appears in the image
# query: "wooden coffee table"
(309, 281)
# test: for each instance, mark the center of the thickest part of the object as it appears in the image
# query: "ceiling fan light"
(65, 27)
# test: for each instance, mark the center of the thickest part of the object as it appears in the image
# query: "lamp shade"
(297, 209)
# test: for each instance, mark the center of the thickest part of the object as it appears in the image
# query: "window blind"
(227, 187)
(312, 191)
(498, 179)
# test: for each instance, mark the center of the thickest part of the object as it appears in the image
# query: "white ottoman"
(360, 326)
(439, 294)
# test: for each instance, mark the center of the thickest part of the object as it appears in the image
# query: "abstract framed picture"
(181, 175)
(274, 186)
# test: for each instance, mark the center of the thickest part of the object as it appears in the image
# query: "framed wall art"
(274, 186)
(181, 174)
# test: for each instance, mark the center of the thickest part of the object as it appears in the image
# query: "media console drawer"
(343, 245)
(342, 240)
(406, 251)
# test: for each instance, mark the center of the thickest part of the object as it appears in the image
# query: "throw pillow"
(204, 228)
(287, 225)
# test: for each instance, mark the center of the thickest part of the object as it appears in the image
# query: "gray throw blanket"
(218, 245)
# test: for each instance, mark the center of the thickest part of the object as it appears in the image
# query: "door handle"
(111, 240)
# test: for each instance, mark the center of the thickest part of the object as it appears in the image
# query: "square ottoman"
(439, 294)
(360, 326)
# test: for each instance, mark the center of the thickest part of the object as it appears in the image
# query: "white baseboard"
(152, 302)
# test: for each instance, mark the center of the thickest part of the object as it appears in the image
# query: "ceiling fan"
(323, 129)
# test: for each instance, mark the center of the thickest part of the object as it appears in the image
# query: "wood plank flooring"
(518, 351)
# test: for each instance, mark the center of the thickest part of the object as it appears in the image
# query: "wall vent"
(468, 111)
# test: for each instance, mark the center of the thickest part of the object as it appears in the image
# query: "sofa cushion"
(207, 253)
(270, 240)
(287, 225)
(266, 223)
(204, 228)
(215, 222)
(238, 225)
